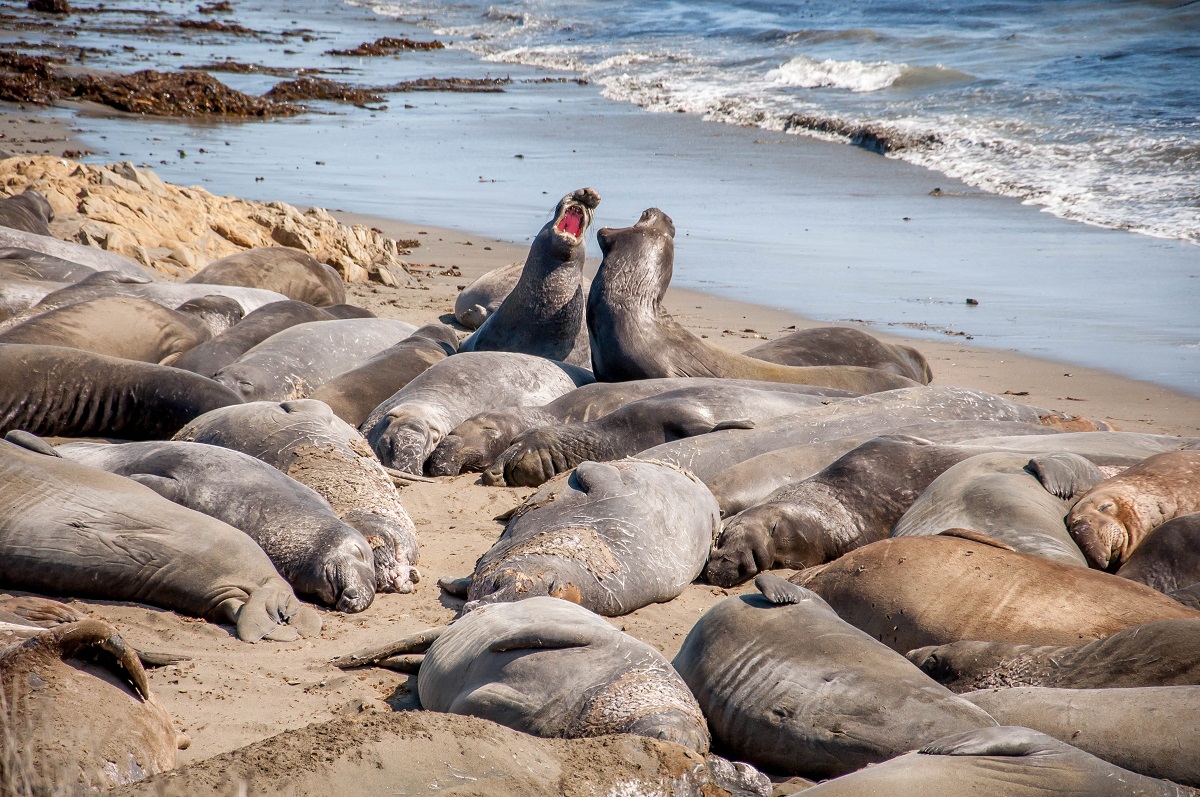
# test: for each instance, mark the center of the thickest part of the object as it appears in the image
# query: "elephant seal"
(28, 211)
(549, 668)
(320, 556)
(50, 390)
(116, 326)
(258, 325)
(1122, 726)
(852, 502)
(71, 726)
(910, 592)
(28, 264)
(18, 294)
(790, 687)
(305, 440)
(353, 394)
(753, 481)
(481, 298)
(612, 537)
(296, 274)
(1004, 761)
(168, 294)
(1008, 497)
(217, 313)
(1169, 558)
(541, 453)
(91, 256)
(407, 426)
(634, 337)
(476, 442)
(543, 315)
(1110, 521)
(879, 413)
(68, 528)
(1160, 653)
(843, 346)
(292, 363)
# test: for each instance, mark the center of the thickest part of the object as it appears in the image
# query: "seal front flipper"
(1065, 475)
(456, 587)
(544, 639)
(1003, 740)
(31, 442)
(269, 607)
(167, 488)
(780, 591)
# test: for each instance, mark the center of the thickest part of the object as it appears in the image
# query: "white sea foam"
(856, 76)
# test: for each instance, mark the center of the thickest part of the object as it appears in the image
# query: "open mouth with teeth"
(572, 221)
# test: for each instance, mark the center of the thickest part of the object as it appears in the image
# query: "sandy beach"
(229, 694)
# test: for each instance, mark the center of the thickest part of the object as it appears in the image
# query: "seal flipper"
(780, 591)
(456, 587)
(697, 427)
(32, 442)
(544, 639)
(269, 607)
(167, 488)
(595, 476)
(1065, 475)
(1003, 740)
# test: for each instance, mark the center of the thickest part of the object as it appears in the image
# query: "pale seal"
(481, 298)
(550, 668)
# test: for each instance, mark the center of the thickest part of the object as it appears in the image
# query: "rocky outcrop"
(177, 231)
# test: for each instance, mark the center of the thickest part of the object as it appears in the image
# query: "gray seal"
(71, 529)
(1169, 558)
(293, 363)
(53, 391)
(291, 272)
(910, 592)
(353, 394)
(550, 668)
(258, 325)
(1161, 653)
(217, 313)
(407, 426)
(543, 315)
(1011, 498)
(26, 263)
(483, 296)
(305, 440)
(843, 346)
(320, 556)
(612, 537)
(790, 687)
(880, 413)
(117, 326)
(28, 211)
(90, 256)
(541, 453)
(1004, 761)
(634, 337)
(1151, 731)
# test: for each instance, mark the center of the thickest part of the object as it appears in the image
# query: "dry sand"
(231, 694)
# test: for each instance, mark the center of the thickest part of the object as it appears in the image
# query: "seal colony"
(298, 522)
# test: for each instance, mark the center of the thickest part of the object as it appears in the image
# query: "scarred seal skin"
(789, 686)
(543, 315)
(634, 337)
(612, 537)
(550, 668)
(50, 390)
(1110, 521)
(67, 528)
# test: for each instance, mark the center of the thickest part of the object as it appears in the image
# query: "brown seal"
(296, 274)
(1111, 520)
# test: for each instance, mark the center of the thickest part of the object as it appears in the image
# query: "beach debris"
(220, 7)
(973, 302)
(389, 46)
(317, 88)
(218, 27)
(50, 6)
(176, 230)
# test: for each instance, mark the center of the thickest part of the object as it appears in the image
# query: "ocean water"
(1088, 108)
(815, 226)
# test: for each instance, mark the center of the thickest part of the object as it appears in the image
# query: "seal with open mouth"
(544, 313)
